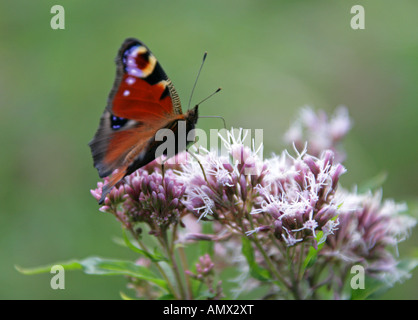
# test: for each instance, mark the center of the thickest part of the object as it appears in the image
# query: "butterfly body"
(142, 101)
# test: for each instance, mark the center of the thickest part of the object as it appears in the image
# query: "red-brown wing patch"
(125, 145)
(136, 99)
(122, 143)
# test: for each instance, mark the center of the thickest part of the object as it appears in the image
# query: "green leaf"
(168, 296)
(68, 265)
(256, 271)
(310, 258)
(313, 253)
(124, 296)
(371, 286)
(100, 266)
(119, 241)
(157, 256)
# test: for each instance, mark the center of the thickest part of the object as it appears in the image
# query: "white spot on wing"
(130, 80)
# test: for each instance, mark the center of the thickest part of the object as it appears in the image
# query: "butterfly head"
(192, 115)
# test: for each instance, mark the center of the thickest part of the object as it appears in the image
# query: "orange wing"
(142, 101)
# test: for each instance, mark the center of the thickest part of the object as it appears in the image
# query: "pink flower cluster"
(279, 203)
(146, 196)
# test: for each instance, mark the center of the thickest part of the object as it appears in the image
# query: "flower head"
(369, 227)
(301, 203)
(203, 268)
(153, 198)
(217, 185)
(146, 197)
(320, 131)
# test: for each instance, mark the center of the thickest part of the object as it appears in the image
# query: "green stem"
(295, 282)
(170, 253)
(183, 261)
(301, 259)
(143, 247)
(273, 270)
(160, 270)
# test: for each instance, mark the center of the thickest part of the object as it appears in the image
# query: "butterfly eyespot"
(136, 61)
(117, 122)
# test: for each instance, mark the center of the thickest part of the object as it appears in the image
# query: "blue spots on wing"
(117, 122)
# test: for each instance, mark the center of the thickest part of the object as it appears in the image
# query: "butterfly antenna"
(209, 96)
(197, 78)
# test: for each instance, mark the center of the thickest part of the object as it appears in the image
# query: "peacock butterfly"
(142, 101)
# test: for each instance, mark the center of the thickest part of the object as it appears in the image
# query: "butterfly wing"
(142, 101)
(141, 89)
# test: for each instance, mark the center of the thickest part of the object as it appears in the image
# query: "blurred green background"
(270, 58)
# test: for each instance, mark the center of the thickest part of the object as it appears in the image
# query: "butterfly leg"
(163, 161)
(218, 117)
